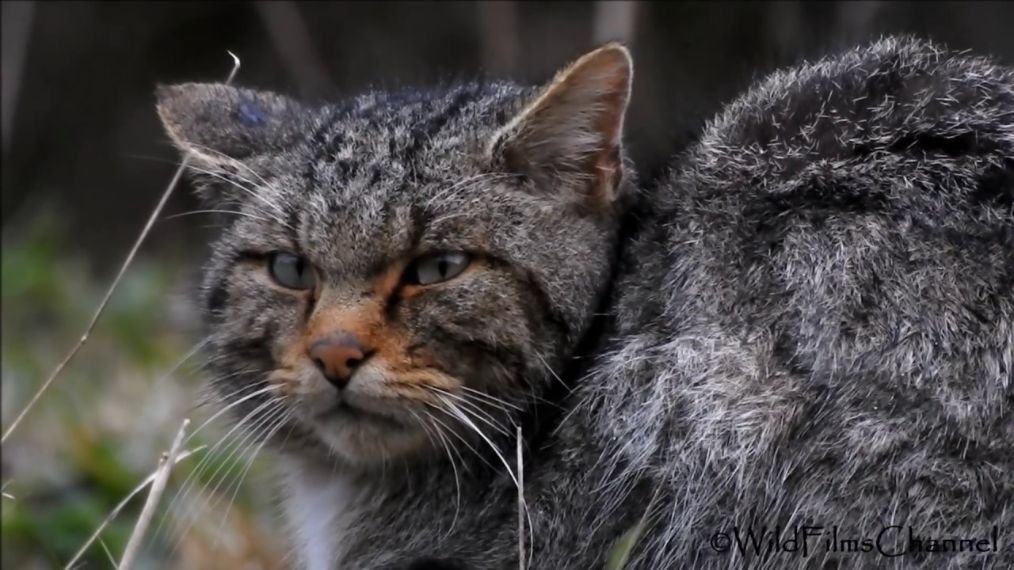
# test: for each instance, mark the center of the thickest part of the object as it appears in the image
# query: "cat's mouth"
(345, 412)
(369, 422)
(364, 436)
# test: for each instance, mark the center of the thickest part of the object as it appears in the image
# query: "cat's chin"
(365, 438)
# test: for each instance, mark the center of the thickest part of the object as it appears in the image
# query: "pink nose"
(337, 355)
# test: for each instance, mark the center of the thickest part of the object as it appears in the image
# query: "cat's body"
(808, 326)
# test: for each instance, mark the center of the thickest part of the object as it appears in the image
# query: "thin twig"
(521, 505)
(157, 488)
(116, 281)
(120, 506)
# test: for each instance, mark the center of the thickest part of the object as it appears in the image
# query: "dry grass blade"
(116, 281)
(120, 506)
(157, 488)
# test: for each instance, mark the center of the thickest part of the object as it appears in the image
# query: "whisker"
(259, 392)
(198, 470)
(470, 424)
(237, 163)
(480, 414)
(252, 434)
(211, 396)
(448, 430)
(234, 212)
(225, 172)
(493, 400)
(187, 356)
(447, 448)
(471, 180)
(267, 435)
(514, 477)
(206, 498)
(252, 191)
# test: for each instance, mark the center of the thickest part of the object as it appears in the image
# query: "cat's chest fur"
(340, 519)
(320, 508)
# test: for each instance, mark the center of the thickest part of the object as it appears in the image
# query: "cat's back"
(891, 163)
(862, 209)
(818, 323)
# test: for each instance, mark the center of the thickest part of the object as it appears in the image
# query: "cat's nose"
(337, 355)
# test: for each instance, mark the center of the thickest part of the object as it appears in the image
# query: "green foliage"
(85, 446)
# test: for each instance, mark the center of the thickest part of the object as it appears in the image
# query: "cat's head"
(400, 271)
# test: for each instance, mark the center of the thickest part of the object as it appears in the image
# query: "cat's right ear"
(221, 126)
(569, 137)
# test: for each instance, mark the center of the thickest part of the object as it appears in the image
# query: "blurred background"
(84, 162)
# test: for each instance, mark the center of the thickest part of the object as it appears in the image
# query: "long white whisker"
(197, 471)
(457, 481)
(470, 424)
(449, 430)
(228, 176)
(212, 396)
(179, 363)
(252, 191)
(266, 412)
(517, 483)
(231, 160)
(191, 515)
(492, 400)
(480, 414)
(266, 389)
(234, 212)
(462, 184)
(241, 183)
(267, 435)
(252, 434)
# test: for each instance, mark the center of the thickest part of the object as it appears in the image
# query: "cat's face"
(399, 273)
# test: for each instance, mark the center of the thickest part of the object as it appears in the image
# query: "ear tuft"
(570, 135)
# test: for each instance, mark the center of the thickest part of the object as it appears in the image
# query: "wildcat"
(803, 330)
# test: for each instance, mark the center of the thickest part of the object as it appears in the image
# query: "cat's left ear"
(569, 137)
(219, 124)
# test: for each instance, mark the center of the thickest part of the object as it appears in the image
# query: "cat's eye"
(436, 268)
(291, 271)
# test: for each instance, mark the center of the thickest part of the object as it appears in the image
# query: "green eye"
(291, 271)
(437, 268)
